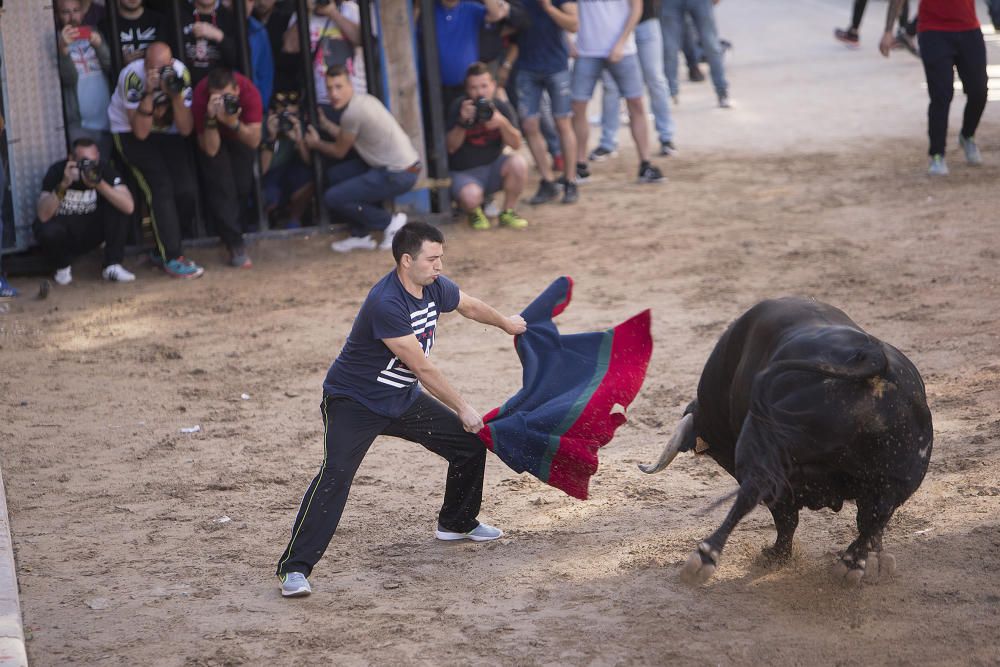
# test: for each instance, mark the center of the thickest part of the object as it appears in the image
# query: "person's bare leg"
(536, 144)
(582, 131)
(567, 139)
(513, 173)
(470, 197)
(639, 126)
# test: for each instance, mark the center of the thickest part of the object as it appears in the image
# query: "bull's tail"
(775, 430)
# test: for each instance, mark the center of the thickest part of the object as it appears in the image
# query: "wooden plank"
(401, 72)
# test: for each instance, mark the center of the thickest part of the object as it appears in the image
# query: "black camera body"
(90, 170)
(231, 104)
(285, 123)
(484, 109)
(173, 83)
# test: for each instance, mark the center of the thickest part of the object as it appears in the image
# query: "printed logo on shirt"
(134, 88)
(78, 202)
(137, 39)
(424, 323)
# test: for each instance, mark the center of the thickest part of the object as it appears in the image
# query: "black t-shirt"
(203, 55)
(137, 34)
(482, 145)
(79, 199)
(650, 9)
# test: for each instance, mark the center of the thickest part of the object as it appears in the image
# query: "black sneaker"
(695, 75)
(547, 191)
(649, 174)
(570, 193)
(667, 148)
(582, 172)
(848, 37)
(600, 154)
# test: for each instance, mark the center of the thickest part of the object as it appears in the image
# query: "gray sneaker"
(481, 533)
(972, 155)
(295, 585)
(937, 167)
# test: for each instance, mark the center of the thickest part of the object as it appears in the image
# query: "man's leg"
(703, 13)
(511, 172)
(56, 240)
(672, 25)
(152, 173)
(649, 41)
(971, 65)
(184, 172)
(529, 95)
(937, 54)
(586, 72)
(628, 75)
(558, 86)
(857, 13)
(548, 125)
(467, 190)
(348, 431)
(437, 428)
(357, 199)
(610, 103)
(114, 231)
(220, 196)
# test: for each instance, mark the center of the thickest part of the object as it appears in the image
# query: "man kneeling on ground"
(388, 164)
(479, 126)
(84, 203)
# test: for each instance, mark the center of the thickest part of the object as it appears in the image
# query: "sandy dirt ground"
(124, 559)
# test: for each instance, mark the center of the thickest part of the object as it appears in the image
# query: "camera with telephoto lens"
(285, 123)
(90, 170)
(231, 104)
(484, 110)
(173, 83)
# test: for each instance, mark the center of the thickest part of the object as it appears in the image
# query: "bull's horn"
(681, 434)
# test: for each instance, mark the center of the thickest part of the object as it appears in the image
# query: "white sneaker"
(354, 243)
(397, 222)
(295, 585)
(492, 209)
(117, 273)
(481, 533)
(64, 276)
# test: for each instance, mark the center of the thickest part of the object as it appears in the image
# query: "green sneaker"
(479, 221)
(511, 219)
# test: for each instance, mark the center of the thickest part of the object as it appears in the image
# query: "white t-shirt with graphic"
(601, 24)
(335, 49)
(128, 93)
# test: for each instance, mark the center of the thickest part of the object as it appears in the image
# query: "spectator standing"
(84, 67)
(284, 160)
(261, 57)
(84, 203)
(274, 16)
(209, 39)
(904, 35)
(93, 12)
(606, 42)
(150, 115)
(458, 24)
(387, 166)
(138, 27)
(649, 45)
(334, 32)
(950, 39)
(543, 67)
(227, 120)
(480, 125)
(702, 13)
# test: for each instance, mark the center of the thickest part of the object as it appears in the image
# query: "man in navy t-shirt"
(375, 387)
(457, 24)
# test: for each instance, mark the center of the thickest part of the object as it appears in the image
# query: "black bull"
(805, 409)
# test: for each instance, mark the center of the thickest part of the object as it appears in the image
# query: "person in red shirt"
(950, 39)
(227, 112)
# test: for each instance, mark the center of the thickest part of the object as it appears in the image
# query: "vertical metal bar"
(437, 154)
(372, 72)
(243, 44)
(178, 23)
(311, 105)
(116, 42)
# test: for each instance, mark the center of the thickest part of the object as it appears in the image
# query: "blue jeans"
(649, 42)
(626, 73)
(545, 120)
(703, 15)
(530, 86)
(357, 190)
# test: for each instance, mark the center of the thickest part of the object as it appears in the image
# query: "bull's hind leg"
(701, 564)
(864, 560)
(786, 520)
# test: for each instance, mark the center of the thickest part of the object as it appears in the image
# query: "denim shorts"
(488, 177)
(626, 73)
(529, 93)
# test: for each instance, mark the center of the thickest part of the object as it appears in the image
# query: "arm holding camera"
(466, 118)
(48, 202)
(88, 173)
(335, 149)
(223, 110)
(117, 195)
(510, 134)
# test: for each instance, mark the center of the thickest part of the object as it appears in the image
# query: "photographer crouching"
(227, 113)
(480, 126)
(84, 203)
(287, 182)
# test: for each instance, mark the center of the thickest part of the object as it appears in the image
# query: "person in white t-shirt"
(334, 35)
(605, 42)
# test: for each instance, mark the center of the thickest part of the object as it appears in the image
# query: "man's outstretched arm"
(474, 309)
(408, 350)
(888, 39)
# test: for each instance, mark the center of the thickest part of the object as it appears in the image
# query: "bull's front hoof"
(878, 566)
(872, 569)
(700, 565)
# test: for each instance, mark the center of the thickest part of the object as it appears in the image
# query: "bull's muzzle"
(681, 435)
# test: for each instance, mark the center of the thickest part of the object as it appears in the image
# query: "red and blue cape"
(554, 426)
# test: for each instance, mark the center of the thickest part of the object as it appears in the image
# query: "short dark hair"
(82, 142)
(337, 70)
(220, 77)
(475, 69)
(410, 239)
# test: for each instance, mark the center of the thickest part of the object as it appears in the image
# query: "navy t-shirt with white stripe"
(366, 370)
